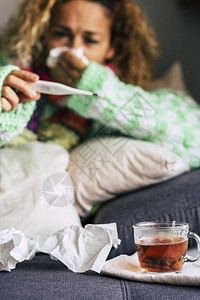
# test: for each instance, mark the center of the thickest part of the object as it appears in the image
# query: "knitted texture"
(55, 124)
(165, 116)
(26, 136)
(13, 122)
(63, 127)
(4, 71)
(58, 134)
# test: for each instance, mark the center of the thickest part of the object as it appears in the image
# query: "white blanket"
(23, 172)
(30, 222)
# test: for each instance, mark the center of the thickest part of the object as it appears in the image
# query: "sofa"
(44, 278)
(174, 199)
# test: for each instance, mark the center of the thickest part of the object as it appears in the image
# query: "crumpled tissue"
(54, 53)
(80, 249)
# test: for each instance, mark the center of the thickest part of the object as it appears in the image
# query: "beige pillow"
(173, 78)
(104, 168)
(30, 177)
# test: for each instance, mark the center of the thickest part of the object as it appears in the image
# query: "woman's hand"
(68, 69)
(19, 80)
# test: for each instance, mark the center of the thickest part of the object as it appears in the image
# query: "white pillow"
(104, 168)
(27, 175)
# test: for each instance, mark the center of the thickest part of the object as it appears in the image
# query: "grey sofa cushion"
(151, 291)
(176, 199)
(45, 279)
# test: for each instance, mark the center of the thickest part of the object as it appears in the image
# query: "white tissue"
(128, 267)
(80, 249)
(54, 53)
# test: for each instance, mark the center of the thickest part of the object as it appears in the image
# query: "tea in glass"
(162, 255)
(162, 247)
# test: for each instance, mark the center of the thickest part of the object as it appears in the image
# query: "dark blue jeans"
(176, 199)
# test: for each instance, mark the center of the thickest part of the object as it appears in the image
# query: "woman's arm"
(162, 116)
(12, 122)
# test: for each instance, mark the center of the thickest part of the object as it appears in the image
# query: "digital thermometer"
(54, 88)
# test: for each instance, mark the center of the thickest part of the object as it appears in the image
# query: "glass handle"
(197, 238)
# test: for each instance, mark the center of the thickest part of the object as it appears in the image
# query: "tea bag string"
(173, 227)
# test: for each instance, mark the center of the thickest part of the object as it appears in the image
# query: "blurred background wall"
(7, 7)
(177, 25)
(178, 31)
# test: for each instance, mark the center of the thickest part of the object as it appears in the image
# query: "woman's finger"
(5, 104)
(22, 86)
(67, 76)
(58, 74)
(61, 74)
(25, 99)
(8, 93)
(73, 61)
(25, 75)
(73, 72)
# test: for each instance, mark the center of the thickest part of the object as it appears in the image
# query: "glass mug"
(161, 247)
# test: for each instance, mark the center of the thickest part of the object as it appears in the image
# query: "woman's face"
(81, 23)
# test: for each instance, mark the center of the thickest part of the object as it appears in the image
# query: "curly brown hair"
(135, 44)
